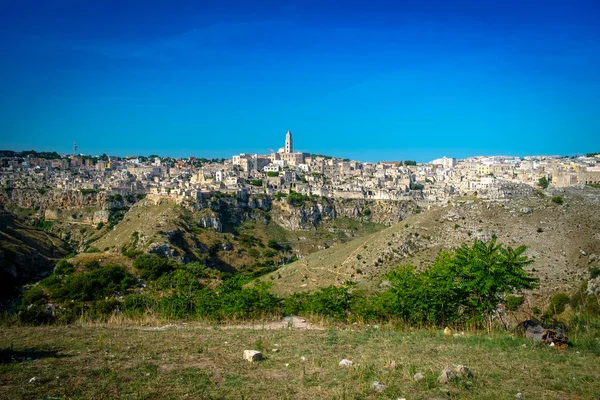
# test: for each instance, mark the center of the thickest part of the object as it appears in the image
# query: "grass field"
(197, 360)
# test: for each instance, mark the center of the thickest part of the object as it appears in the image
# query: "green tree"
(486, 272)
(543, 182)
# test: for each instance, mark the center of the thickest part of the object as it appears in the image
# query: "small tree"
(543, 182)
(487, 272)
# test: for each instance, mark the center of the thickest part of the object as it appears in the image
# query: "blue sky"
(369, 80)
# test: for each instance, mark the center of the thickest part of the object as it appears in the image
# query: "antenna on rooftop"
(74, 148)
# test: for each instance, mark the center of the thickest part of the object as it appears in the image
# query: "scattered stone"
(252, 355)
(462, 371)
(524, 346)
(447, 331)
(378, 387)
(447, 376)
(32, 380)
(519, 395)
(418, 376)
(345, 363)
(302, 358)
(287, 365)
(526, 210)
(275, 350)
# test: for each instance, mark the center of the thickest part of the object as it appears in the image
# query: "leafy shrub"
(558, 303)
(152, 266)
(137, 304)
(557, 199)
(63, 267)
(512, 303)
(543, 182)
(296, 199)
(94, 285)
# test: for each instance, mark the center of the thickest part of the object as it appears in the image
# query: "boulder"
(252, 355)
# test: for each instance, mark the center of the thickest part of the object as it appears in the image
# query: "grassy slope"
(568, 231)
(146, 218)
(198, 361)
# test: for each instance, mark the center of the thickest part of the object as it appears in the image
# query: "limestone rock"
(345, 363)
(418, 376)
(252, 355)
(447, 331)
(378, 387)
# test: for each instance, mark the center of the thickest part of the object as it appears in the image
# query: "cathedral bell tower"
(288, 142)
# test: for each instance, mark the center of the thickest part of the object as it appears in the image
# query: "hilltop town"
(287, 170)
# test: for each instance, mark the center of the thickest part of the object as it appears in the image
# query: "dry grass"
(201, 361)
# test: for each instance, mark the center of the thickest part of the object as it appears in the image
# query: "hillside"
(562, 239)
(26, 253)
(230, 234)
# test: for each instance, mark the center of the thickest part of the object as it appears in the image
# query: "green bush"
(63, 267)
(557, 199)
(152, 266)
(543, 182)
(558, 303)
(98, 284)
(137, 304)
(512, 303)
(296, 199)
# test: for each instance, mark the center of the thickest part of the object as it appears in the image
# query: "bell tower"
(288, 142)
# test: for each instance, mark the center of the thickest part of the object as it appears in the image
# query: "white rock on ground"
(252, 355)
(345, 363)
(418, 376)
(378, 387)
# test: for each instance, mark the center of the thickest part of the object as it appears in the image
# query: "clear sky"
(369, 80)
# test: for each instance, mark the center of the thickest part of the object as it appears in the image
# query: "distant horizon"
(422, 161)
